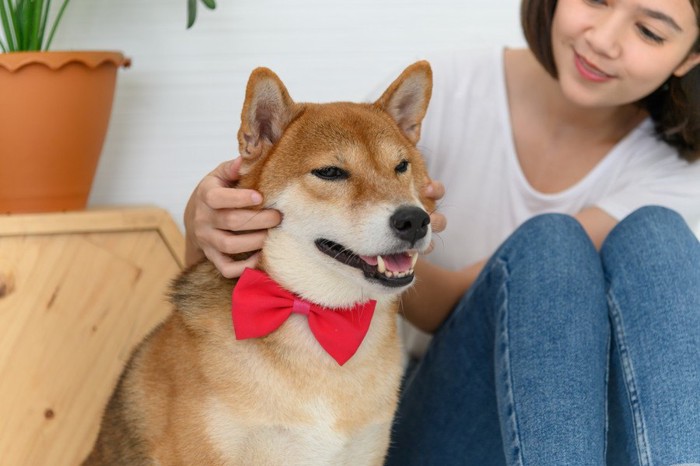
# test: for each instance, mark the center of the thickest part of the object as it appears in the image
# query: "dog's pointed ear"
(406, 99)
(267, 111)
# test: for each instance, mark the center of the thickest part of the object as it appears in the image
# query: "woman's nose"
(605, 35)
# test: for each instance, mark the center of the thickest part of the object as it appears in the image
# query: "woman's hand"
(219, 221)
(438, 222)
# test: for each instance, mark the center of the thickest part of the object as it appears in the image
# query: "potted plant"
(54, 109)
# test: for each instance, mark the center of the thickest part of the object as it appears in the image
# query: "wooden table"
(78, 290)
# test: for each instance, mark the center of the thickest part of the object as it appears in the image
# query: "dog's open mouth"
(389, 269)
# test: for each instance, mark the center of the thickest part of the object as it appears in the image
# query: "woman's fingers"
(230, 243)
(245, 220)
(228, 171)
(230, 268)
(434, 190)
(438, 222)
(221, 197)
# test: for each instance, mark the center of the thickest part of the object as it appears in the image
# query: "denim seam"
(515, 451)
(639, 425)
(608, 351)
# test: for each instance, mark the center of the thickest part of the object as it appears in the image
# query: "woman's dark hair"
(674, 107)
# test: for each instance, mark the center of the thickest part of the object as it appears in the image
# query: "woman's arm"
(436, 292)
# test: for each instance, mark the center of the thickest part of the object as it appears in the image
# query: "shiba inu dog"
(298, 362)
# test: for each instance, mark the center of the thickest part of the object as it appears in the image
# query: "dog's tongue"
(394, 262)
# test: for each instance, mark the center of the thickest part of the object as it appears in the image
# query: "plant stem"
(55, 23)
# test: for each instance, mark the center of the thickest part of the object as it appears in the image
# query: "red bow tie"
(260, 305)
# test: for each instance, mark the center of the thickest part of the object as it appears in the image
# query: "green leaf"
(35, 35)
(56, 23)
(44, 20)
(191, 12)
(22, 11)
(17, 24)
(22, 15)
(24, 23)
(6, 17)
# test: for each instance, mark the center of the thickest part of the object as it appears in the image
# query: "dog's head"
(347, 178)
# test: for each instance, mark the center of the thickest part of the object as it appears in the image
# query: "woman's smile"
(589, 71)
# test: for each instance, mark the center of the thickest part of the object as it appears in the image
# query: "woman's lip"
(590, 71)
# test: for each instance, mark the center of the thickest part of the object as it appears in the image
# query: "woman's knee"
(651, 235)
(553, 238)
(650, 219)
(552, 256)
(551, 223)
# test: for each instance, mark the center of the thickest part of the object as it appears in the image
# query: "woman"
(576, 342)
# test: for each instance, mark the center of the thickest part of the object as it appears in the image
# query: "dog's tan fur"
(193, 394)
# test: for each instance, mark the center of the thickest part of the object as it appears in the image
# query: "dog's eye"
(331, 173)
(402, 167)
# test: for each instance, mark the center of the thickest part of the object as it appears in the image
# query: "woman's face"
(615, 52)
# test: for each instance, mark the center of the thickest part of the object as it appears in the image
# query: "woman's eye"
(649, 35)
(402, 166)
(331, 173)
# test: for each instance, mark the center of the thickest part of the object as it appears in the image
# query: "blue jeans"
(563, 355)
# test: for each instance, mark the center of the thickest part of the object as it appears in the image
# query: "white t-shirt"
(467, 141)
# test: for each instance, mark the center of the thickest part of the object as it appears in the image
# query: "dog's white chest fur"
(315, 442)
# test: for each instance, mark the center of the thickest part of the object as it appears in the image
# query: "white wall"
(177, 110)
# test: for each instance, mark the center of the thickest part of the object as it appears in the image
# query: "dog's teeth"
(381, 266)
(414, 259)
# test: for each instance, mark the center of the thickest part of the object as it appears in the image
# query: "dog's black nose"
(410, 223)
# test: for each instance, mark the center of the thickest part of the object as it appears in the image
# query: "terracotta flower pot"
(54, 113)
